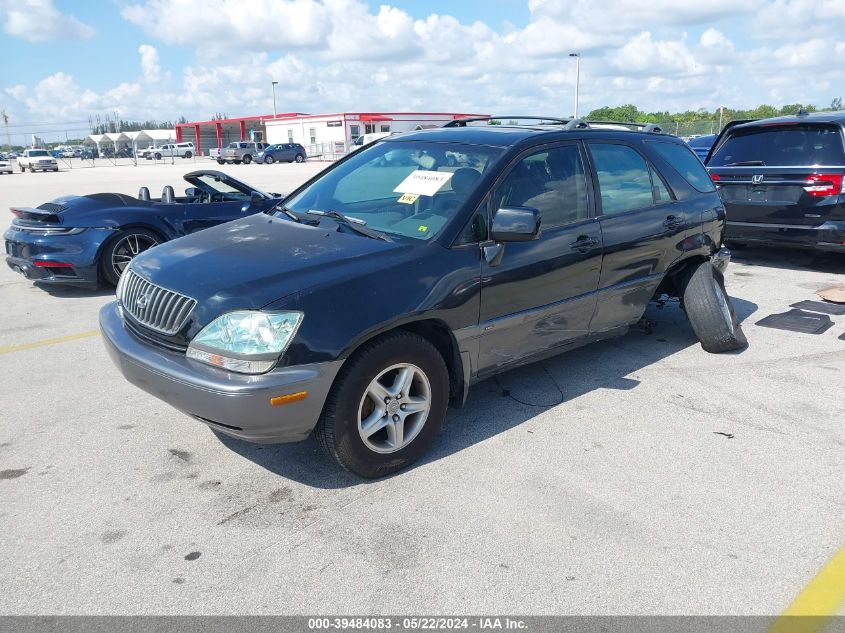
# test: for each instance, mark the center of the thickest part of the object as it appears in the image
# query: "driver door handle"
(584, 243)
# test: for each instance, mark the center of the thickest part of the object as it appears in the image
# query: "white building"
(332, 134)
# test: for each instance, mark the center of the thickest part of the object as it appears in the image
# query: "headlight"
(245, 341)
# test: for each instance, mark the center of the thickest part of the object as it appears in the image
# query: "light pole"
(577, 57)
(274, 98)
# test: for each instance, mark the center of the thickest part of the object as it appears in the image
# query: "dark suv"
(781, 181)
(281, 152)
(379, 291)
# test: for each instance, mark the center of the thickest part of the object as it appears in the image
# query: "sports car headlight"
(245, 341)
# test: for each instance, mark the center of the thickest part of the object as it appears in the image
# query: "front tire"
(269, 160)
(122, 249)
(189, 155)
(386, 407)
(710, 311)
(300, 158)
(220, 161)
(247, 159)
(157, 156)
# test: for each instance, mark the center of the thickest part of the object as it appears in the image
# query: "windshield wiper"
(356, 224)
(747, 163)
(283, 209)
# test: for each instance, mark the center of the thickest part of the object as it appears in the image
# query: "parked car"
(88, 153)
(239, 152)
(5, 166)
(286, 152)
(376, 295)
(701, 145)
(782, 181)
(168, 150)
(82, 240)
(37, 159)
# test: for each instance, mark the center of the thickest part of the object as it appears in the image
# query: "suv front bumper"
(233, 404)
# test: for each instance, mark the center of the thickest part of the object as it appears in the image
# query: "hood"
(255, 261)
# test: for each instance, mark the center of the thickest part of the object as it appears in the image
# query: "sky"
(66, 60)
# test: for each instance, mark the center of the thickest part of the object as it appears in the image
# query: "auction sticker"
(424, 183)
(407, 198)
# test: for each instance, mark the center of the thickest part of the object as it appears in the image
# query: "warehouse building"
(322, 135)
(330, 135)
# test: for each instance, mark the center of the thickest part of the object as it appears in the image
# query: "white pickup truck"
(37, 159)
(182, 150)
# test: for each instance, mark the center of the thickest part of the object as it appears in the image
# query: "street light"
(274, 98)
(577, 57)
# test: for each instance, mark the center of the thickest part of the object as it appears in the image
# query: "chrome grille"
(152, 306)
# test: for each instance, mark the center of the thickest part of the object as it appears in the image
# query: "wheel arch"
(673, 281)
(118, 230)
(438, 334)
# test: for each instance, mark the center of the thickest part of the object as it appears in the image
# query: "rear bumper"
(23, 248)
(829, 236)
(233, 404)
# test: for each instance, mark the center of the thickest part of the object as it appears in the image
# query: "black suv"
(781, 181)
(381, 289)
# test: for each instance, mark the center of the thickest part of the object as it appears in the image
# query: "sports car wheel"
(122, 249)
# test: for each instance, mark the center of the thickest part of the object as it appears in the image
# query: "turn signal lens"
(715, 177)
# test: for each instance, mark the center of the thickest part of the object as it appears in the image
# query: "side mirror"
(255, 199)
(193, 192)
(516, 224)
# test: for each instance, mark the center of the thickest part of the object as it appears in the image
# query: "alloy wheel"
(394, 408)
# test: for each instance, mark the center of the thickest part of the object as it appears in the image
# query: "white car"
(182, 150)
(5, 166)
(37, 159)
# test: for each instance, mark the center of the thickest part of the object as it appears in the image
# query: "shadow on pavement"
(790, 259)
(509, 399)
(72, 292)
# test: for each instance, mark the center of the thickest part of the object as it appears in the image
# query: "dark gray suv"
(281, 152)
(783, 181)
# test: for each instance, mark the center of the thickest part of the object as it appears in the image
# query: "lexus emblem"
(141, 302)
(756, 179)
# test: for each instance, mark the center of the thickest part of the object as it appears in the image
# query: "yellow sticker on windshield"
(408, 198)
(423, 228)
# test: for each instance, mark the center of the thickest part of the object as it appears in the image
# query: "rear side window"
(781, 145)
(624, 178)
(685, 163)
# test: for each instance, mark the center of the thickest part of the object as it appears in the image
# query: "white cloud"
(40, 21)
(150, 63)
(254, 25)
(336, 55)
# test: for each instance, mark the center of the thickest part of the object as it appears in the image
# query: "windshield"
(781, 145)
(212, 184)
(40, 152)
(410, 189)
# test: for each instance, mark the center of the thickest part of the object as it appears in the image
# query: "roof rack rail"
(649, 128)
(463, 122)
(576, 124)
